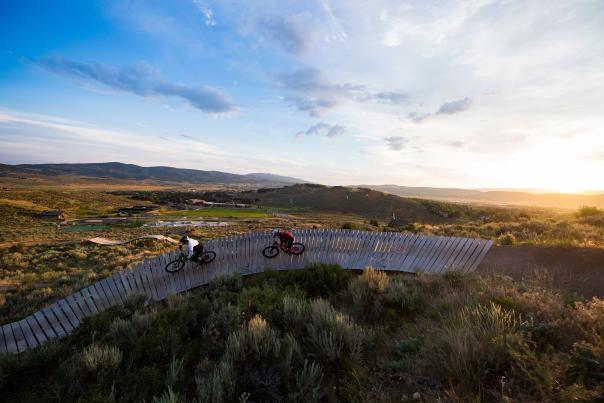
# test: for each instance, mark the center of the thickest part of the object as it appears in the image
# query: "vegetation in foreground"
(322, 334)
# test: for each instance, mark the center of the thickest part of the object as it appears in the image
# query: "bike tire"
(175, 265)
(207, 257)
(297, 248)
(270, 251)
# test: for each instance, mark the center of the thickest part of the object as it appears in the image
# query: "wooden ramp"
(111, 242)
(242, 254)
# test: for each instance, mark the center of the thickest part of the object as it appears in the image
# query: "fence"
(243, 254)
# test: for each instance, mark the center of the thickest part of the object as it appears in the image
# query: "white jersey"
(190, 245)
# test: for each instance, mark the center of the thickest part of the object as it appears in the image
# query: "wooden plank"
(112, 299)
(436, 265)
(116, 282)
(407, 250)
(370, 250)
(156, 274)
(454, 253)
(19, 337)
(68, 312)
(360, 248)
(399, 252)
(61, 317)
(45, 325)
(28, 334)
(414, 250)
(98, 296)
(420, 253)
(75, 307)
(352, 248)
(9, 339)
(81, 301)
(147, 280)
(434, 250)
(36, 329)
(461, 257)
(3, 349)
(88, 298)
(486, 247)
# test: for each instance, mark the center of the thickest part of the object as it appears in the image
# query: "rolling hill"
(501, 197)
(121, 171)
(362, 201)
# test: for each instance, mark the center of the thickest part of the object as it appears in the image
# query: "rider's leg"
(197, 251)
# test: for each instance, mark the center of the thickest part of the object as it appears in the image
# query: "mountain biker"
(193, 247)
(285, 237)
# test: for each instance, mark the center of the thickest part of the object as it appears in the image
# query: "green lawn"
(217, 212)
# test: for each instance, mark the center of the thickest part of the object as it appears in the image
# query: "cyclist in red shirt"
(285, 237)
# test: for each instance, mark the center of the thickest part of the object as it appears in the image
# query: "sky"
(471, 94)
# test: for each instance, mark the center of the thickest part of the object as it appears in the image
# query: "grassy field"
(322, 334)
(217, 212)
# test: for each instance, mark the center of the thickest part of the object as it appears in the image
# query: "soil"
(577, 271)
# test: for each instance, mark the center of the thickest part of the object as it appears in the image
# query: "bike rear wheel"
(270, 251)
(207, 257)
(175, 265)
(297, 248)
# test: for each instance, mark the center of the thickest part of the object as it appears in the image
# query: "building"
(58, 214)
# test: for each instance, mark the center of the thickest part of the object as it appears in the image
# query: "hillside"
(362, 201)
(121, 171)
(325, 335)
(500, 197)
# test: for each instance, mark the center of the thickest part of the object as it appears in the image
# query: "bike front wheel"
(207, 257)
(297, 248)
(270, 251)
(175, 265)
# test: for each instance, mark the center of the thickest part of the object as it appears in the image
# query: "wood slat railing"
(243, 254)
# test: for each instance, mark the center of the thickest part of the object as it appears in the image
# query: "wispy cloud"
(140, 80)
(323, 129)
(287, 33)
(316, 94)
(206, 12)
(396, 143)
(450, 108)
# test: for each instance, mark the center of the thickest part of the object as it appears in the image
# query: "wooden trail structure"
(389, 251)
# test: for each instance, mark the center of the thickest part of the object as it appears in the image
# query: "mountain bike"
(273, 250)
(179, 263)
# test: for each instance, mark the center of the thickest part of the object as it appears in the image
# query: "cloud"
(206, 12)
(315, 93)
(323, 129)
(450, 108)
(286, 33)
(313, 106)
(396, 143)
(457, 144)
(392, 97)
(140, 80)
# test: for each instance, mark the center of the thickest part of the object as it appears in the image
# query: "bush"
(470, 347)
(506, 239)
(97, 357)
(589, 211)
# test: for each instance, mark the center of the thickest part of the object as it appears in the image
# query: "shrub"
(470, 345)
(507, 239)
(589, 211)
(96, 357)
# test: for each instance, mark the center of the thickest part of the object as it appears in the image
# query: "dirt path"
(578, 271)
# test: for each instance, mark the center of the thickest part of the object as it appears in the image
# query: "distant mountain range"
(118, 170)
(501, 197)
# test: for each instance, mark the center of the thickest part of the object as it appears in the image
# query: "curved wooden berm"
(242, 254)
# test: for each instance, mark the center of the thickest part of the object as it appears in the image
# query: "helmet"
(275, 232)
(184, 239)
